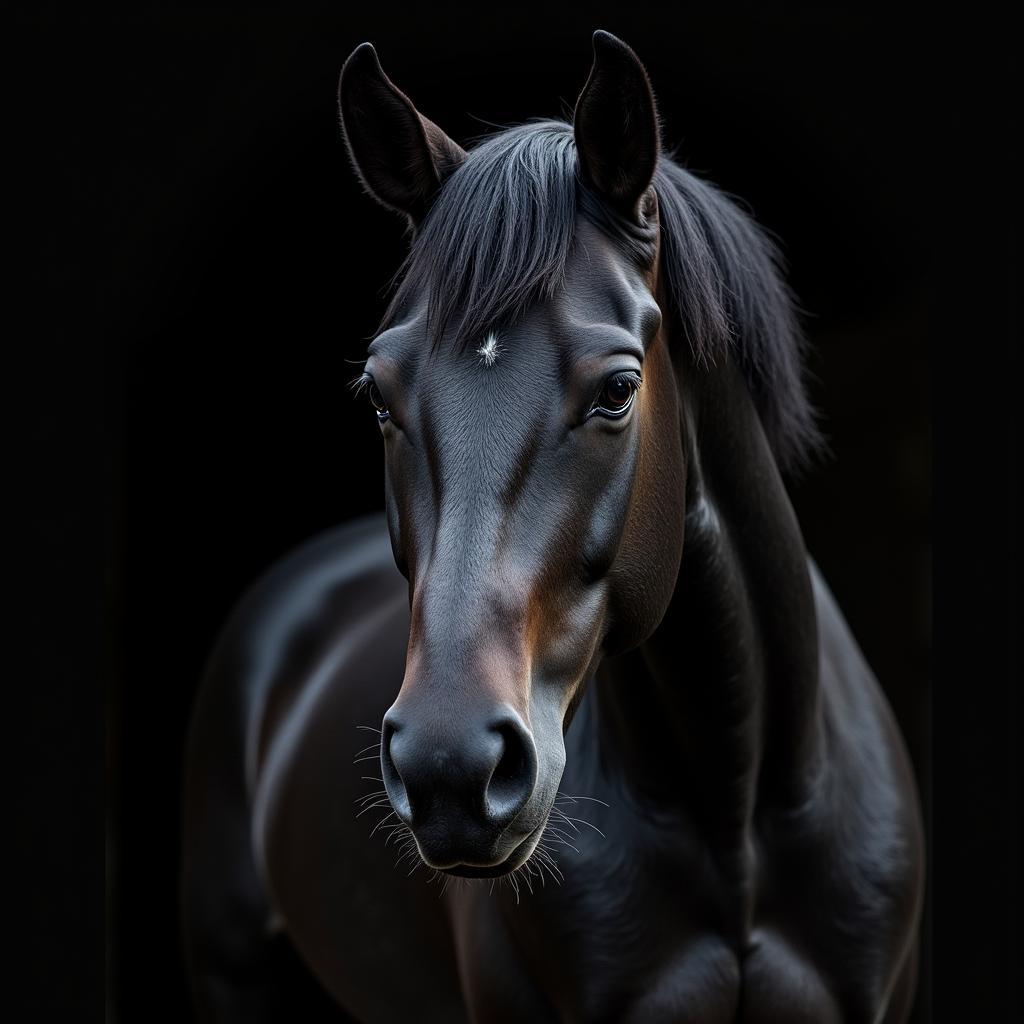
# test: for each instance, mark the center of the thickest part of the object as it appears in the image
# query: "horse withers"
(582, 680)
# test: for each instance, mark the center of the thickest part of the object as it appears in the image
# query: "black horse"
(605, 682)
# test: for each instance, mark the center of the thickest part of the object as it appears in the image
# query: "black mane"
(501, 231)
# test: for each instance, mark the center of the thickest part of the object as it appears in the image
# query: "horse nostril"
(480, 777)
(391, 774)
(515, 774)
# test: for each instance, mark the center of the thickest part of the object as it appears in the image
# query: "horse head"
(531, 427)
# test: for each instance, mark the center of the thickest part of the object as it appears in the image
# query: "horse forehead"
(497, 383)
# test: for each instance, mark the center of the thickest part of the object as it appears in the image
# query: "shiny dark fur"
(606, 675)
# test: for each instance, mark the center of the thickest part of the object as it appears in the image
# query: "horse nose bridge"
(474, 520)
(468, 663)
(458, 676)
(471, 602)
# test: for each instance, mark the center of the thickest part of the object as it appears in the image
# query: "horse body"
(612, 704)
(660, 918)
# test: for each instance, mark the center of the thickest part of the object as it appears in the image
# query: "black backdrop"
(247, 275)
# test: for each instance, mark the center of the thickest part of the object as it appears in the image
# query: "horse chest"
(691, 977)
(592, 976)
(617, 941)
(631, 943)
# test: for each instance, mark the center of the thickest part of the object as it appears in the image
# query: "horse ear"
(616, 126)
(401, 157)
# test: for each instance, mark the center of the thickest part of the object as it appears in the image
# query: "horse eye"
(376, 398)
(616, 395)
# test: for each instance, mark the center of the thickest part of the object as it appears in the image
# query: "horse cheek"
(645, 572)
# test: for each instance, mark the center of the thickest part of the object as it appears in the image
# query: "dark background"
(223, 270)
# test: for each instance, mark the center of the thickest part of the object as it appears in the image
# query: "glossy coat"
(607, 675)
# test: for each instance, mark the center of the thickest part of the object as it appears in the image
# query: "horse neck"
(719, 707)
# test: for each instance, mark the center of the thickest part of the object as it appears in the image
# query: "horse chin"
(516, 859)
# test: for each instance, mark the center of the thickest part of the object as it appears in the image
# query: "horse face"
(530, 489)
(531, 477)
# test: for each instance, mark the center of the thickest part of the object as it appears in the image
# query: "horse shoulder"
(264, 659)
(299, 627)
(328, 645)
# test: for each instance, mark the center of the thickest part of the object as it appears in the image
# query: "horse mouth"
(519, 856)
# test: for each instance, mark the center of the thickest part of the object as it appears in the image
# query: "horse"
(574, 730)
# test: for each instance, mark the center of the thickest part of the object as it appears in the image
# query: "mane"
(501, 231)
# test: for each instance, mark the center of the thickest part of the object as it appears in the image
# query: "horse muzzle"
(462, 785)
